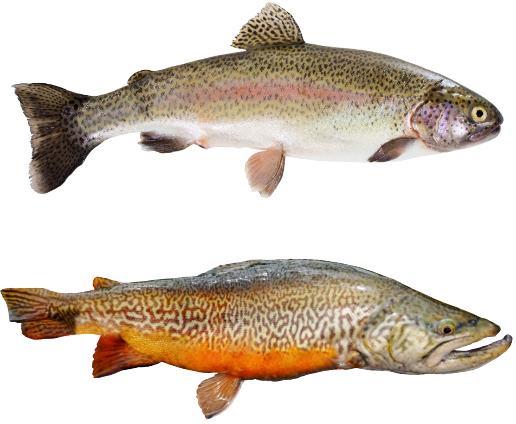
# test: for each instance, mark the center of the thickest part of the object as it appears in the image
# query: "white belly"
(317, 141)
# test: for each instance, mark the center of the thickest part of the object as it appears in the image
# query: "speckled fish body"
(267, 320)
(282, 96)
(308, 101)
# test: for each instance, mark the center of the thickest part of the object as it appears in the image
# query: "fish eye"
(447, 327)
(479, 113)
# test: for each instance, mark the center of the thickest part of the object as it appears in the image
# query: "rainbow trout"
(281, 96)
(265, 320)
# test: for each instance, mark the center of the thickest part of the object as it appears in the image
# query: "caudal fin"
(33, 309)
(59, 145)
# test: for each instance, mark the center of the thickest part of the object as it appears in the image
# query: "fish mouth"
(458, 354)
(486, 133)
(446, 359)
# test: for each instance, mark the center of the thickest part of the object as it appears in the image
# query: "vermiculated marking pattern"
(251, 309)
(258, 309)
(262, 320)
(259, 312)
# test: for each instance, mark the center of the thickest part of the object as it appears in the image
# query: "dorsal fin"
(137, 76)
(273, 26)
(104, 283)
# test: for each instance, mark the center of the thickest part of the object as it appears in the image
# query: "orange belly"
(239, 361)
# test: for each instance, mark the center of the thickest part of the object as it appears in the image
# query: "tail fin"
(59, 145)
(32, 308)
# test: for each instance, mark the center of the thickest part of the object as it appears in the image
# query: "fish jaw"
(458, 361)
(486, 134)
(446, 359)
(452, 360)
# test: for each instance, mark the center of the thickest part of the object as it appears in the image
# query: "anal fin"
(215, 394)
(392, 150)
(113, 354)
(264, 171)
(162, 143)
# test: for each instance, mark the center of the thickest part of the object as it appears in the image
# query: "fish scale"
(247, 312)
(282, 96)
(265, 320)
(300, 83)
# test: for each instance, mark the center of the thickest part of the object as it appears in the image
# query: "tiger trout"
(264, 320)
(281, 96)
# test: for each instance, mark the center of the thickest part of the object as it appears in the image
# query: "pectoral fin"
(264, 171)
(216, 393)
(353, 359)
(392, 150)
(162, 143)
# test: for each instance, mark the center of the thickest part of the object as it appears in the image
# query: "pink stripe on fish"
(265, 91)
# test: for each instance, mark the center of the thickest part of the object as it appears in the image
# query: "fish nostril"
(473, 321)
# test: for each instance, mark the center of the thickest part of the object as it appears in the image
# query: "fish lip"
(442, 360)
(456, 354)
(484, 134)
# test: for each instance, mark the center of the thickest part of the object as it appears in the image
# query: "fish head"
(453, 117)
(423, 337)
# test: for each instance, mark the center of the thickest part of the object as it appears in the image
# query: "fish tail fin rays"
(273, 26)
(113, 354)
(216, 394)
(59, 145)
(162, 143)
(264, 171)
(33, 309)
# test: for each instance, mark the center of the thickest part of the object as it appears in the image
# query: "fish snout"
(488, 328)
(496, 329)
(497, 124)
